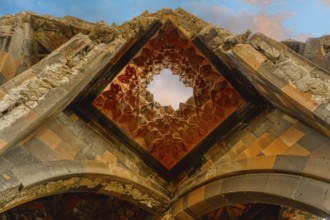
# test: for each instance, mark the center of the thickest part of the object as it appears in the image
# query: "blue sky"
(279, 19)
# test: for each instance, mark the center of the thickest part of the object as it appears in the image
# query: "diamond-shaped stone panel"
(165, 133)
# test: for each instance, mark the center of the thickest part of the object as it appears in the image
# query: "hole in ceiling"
(168, 90)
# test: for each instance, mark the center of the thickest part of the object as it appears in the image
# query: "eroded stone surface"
(67, 68)
(300, 79)
(325, 43)
(28, 37)
(75, 183)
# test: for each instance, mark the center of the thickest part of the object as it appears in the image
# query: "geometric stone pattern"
(166, 133)
(274, 141)
(55, 134)
(65, 145)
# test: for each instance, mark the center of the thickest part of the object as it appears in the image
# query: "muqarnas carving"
(166, 133)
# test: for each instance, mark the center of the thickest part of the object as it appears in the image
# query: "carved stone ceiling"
(167, 134)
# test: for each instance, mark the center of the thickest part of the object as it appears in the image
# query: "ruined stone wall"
(316, 50)
(59, 152)
(27, 38)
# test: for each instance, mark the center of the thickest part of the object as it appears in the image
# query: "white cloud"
(258, 2)
(168, 89)
(325, 1)
(271, 25)
(302, 37)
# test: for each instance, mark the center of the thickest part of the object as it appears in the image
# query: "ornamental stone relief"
(168, 134)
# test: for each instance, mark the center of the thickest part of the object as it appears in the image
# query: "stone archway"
(295, 191)
(72, 176)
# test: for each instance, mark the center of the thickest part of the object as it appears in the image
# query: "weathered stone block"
(249, 55)
(8, 65)
(303, 99)
(313, 51)
(268, 46)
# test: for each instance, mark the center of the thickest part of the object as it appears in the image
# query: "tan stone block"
(248, 138)
(264, 162)
(3, 143)
(253, 150)
(196, 196)
(241, 156)
(63, 152)
(108, 157)
(263, 141)
(2, 93)
(63, 156)
(275, 148)
(249, 55)
(99, 158)
(239, 146)
(291, 136)
(8, 65)
(297, 150)
(48, 137)
(304, 99)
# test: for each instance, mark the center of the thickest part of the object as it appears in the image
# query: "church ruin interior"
(82, 135)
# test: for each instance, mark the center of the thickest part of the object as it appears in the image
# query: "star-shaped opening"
(168, 90)
(168, 134)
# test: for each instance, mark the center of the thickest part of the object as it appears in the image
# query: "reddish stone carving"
(166, 133)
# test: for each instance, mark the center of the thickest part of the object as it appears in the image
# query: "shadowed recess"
(76, 206)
